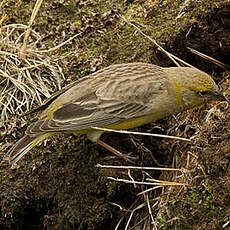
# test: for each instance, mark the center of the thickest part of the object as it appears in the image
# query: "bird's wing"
(112, 102)
(113, 72)
(77, 116)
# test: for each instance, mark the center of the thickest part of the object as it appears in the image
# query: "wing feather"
(124, 93)
(51, 125)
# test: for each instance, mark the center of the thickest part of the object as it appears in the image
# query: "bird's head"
(195, 87)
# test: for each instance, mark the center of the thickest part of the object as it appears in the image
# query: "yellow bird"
(121, 96)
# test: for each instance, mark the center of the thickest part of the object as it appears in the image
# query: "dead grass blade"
(143, 134)
(24, 82)
(213, 60)
(29, 29)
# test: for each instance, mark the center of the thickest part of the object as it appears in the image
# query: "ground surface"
(57, 185)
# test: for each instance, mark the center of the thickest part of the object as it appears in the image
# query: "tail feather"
(23, 146)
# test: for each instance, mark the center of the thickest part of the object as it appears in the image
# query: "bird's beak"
(219, 96)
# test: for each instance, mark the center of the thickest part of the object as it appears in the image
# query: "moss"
(197, 206)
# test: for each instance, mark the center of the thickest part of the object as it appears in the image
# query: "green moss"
(196, 206)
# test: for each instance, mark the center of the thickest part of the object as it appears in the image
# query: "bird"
(120, 96)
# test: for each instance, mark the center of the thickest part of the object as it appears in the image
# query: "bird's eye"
(204, 93)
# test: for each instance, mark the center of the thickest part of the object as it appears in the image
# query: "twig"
(27, 34)
(150, 212)
(3, 18)
(132, 212)
(58, 46)
(139, 168)
(143, 134)
(130, 176)
(2, 3)
(211, 59)
(166, 183)
(148, 190)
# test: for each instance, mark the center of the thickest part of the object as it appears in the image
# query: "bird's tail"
(23, 146)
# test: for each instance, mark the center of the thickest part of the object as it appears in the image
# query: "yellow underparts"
(94, 134)
(177, 90)
(39, 139)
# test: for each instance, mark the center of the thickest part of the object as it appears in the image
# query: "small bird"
(121, 96)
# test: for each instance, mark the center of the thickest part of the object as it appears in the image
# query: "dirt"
(58, 185)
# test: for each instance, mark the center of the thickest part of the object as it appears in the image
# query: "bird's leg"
(116, 152)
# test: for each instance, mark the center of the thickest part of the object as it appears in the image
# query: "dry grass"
(146, 212)
(24, 79)
(147, 199)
